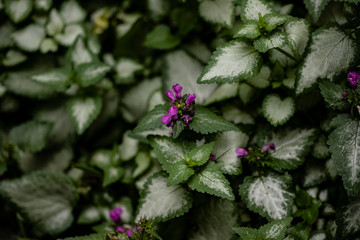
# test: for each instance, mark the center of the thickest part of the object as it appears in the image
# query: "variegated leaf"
(55, 23)
(223, 92)
(349, 221)
(13, 58)
(276, 110)
(125, 69)
(80, 54)
(56, 79)
(265, 43)
(235, 115)
(18, 10)
(160, 202)
(250, 9)
(262, 79)
(297, 33)
(313, 175)
(90, 73)
(70, 34)
(269, 195)
(29, 38)
(218, 11)
(231, 62)
(315, 7)
(72, 12)
(246, 93)
(200, 154)
(321, 149)
(179, 172)
(249, 29)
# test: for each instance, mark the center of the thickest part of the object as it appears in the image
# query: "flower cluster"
(115, 215)
(181, 107)
(352, 96)
(257, 156)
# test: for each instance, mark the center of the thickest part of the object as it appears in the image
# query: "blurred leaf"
(161, 38)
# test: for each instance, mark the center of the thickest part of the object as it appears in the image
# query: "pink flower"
(241, 152)
(170, 95)
(353, 78)
(115, 214)
(190, 100)
(187, 119)
(268, 148)
(177, 90)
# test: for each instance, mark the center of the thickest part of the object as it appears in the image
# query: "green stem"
(21, 225)
(287, 54)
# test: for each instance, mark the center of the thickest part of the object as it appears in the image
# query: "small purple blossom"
(170, 95)
(353, 78)
(126, 230)
(172, 111)
(177, 88)
(187, 119)
(344, 95)
(241, 152)
(190, 100)
(172, 115)
(269, 147)
(115, 214)
(212, 158)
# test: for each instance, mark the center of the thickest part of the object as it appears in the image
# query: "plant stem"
(287, 54)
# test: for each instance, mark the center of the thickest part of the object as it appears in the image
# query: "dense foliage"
(182, 119)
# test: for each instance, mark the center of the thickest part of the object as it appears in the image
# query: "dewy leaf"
(90, 73)
(18, 10)
(31, 135)
(344, 144)
(265, 43)
(56, 79)
(55, 23)
(161, 38)
(200, 155)
(269, 195)
(29, 38)
(152, 120)
(249, 29)
(179, 172)
(45, 199)
(83, 111)
(276, 110)
(250, 9)
(331, 52)
(211, 180)
(332, 94)
(183, 69)
(298, 33)
(217, 11)
(291, 147)
(72, 12)
(224, 151)
(349, 221)
(170, 151)
(160, 202)
(315, 7)
(205, 121)
(233, 61)
(215, 220)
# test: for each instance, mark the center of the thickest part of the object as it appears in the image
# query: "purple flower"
(177, 90)
(170, 95)
(172, 115)
(353, 78)
(190, 100)
(187, 119)
(115, 214)
(127, 231)
(268, 148)
(212, 157)
(344, 95)
(241, 152)
(166, 119)
(173, 111)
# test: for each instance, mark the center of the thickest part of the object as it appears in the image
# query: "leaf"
(70, 34)
(331, 169)
(18, 10)
(91, 73)
(276, 110)
(321, 149)
(262, 79)
(291, 147)
(297, 33)
(128, 147)
(125, 69)
(224, 150)
(72, 12)
(247, 233)
(161, 38)
(246, 93)
(143, 162)
(29, 38)
(13, 58)
(250, 9)
(158, 8)
(48, 45)
(55, 79)
(79, 53)
(265, 43)
(112, 174)
(211, 180)
(89, 215)
(249, 29)
(273, 20)
(152, 120)
(332, 94)
(205, 121)
(55, 23)
(331, 52)
(45, 199)
(200, 155)
(83, 111)
(218, 11)
(159, 202)
(233, 114)
(43, 5)
(179, 172)
(344, 147)
(170, 151)
(31, 135)
(315, 7)
(223, 92)
(349, 220)
(94, 236)
(178, 128)
(102, 159)
(215, 220)
(269, 195)
(314, 174)
(183, 69)
(231, 62)
(5, 38)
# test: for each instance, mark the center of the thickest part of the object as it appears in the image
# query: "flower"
(187, 119)
(177, 88)
(170, 95)
(344, 95)
(241, 152)
(353, 78)
(212, 158)
(268, 148)
(115, 214)
(190, 100)
(172, 115)
(128, 230)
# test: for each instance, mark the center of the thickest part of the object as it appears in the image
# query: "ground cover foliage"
(184, 119)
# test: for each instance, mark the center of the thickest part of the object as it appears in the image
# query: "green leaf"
(250, 9)
(79, 53)
(215, 220)
(43, 5)
(269, 195)
(125, 69)
(248, 233)
(170, 151)
(231, 62)
(45, 199)
(55, 23)
(275, 40)
(18, 10)
(291, 147)
(297, 32)
(331, 169)
(112, 174)
(29, 38)
(200, 155)
(5, 35)
(95, 236)
(55, 79)
(183, 69)
(276, 110)
(332, 94)
(152, 120)
(89, 215)
(314, 174)
(83, 111)
(321, 149)
(331, 52)
(349, 221)
(218, 11)
(179, 172)
(249, 29)
(178, 128)
(159, 202)
(273, 20)
(211, 180)
(143, 162)
(161, 38)
(345, 151)
(224, 150)
(48, 45)
(72, 12)
(315, 7)
(31, 135)
(246, 93)
(262, 79)
(70, 34)
(205, 121)
(90, 73)
(102, 159)
(13, 58)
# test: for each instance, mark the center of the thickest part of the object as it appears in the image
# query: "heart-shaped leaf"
(276, 110)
